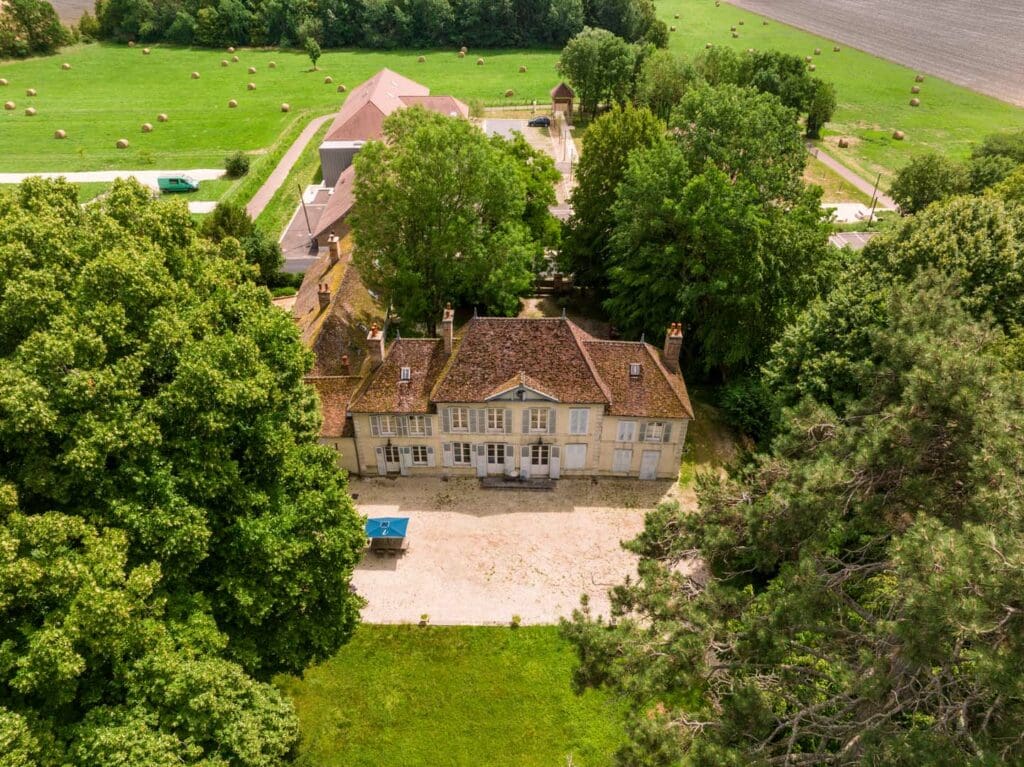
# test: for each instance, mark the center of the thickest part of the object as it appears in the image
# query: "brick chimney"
(323, 295)
(673, 347)
(448, 328)
(375, 344)
(344, 364)
(334, 248)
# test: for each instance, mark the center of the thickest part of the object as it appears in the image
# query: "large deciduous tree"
(169, 526)
(439, 217)
(664, 79)
(856, 593)
(599, 65)
(926, 179)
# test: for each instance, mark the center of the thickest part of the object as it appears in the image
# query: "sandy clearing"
(481, 556)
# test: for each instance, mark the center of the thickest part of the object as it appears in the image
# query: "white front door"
(575, 457)
(392, 459)
(540, 460)
(622, 462)
(495, 457)
(649, 464)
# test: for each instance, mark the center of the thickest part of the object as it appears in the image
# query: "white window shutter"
(403, 426)
(526, 420)
(510, 459)
(430, 456)
(382, 468)
(643, 432)
(551, 421)
(666, 433)
(584, 420)
(446, 419)
(447, 456)
(554, 462)
(375, 425)
(524, 462)
(428, 425)
(508, 421)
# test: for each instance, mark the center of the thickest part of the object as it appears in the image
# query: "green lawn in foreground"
(111, 90)
(874, 95)
(403, 696)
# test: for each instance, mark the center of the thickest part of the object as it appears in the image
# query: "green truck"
(177, 184)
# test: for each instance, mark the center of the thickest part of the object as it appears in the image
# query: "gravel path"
(885, 202)
(976, 44)
(265, 193)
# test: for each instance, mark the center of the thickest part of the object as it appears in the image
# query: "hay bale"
(234, 59)
(65, 66)
(232, 104)
(250, 86)
(836, 49)
(231, 49)
(522, 69)
(741, 22)
(58, 134)
(672, 28)
(915, 102)
(421, 59)
(808, 59)
(272, 65)
(147, 127)
(732, 29)
(811, 67)
(479, 62)
(122, 143)
(919, 79)
(286, 108)
(717, 4)
(676, 16)
(223, 62)
(9, 105)
(195, 75)
(915, 89)
(30, 112)
(252, 70)
(131, 43)
(509, 93)
(898, 135)
(341, 89)
(843, 143)
(328, 80)
(817, 51)
(463, 49)
(764, 22)
(30, 92)
(3, 81)
(707, 45)
(145, 51)
(735, 34)
(161, 118)
(462, 54)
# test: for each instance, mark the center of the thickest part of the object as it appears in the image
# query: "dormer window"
(405, 374)
(634, 369)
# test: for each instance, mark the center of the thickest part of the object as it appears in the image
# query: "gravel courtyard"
(481, 556)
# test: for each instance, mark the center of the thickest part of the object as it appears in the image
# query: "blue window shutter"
(666, 435)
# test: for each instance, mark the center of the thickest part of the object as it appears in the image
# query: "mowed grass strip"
(874, 94)
(403, 696)
(111, 90)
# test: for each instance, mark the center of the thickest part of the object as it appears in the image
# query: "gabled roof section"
(386, 392)
(335, 392)
(361, 117)
(655, 393)
(562, 91)
(520, 380)
(339, 204)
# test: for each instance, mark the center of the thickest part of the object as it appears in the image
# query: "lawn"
(835, 187)
(874, 94)
(402, 696)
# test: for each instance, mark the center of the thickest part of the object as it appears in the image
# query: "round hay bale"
(741, 22)
(836, 49)
(195, 75)
(915, 89)
(234, 59)
(462, 54)
(131, 43)
(147, 127)
(672, 28)
(30, 112)
(30, 92)
(707, 45)
(479, 62)
(272, 65)
(915, 102)
(161, 118)
(223, 62)
(252, 70)
(286, 108)
(232, 104)
(522, 69)
(122, 143)
(764, 22)
(328, 80)
(843, 143)
(463, 49)
(735, 34)
(145, 51)
(509, 93)
(421, 59)
(231, 49)
(58, 134)
(9, 105)
(919, 79)
(811, 67)
(341, 89)
(732, 29)
(808, 59)
(3, 81)
(676, 16)
(250, 86)
(65, 66)
(717, 3)
(817, 51)
(898, 135)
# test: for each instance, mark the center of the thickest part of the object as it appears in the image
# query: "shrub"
(476, 108)
(926, 179)
(747, 406)
(516, 621)
(236, 165)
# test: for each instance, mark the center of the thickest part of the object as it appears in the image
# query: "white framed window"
(538, 419)
(405, 374)
(460, 418)
(627, 431)
(654, 432)
(496, 419)
(579, 420)
(495, 453)
(417, 426)
(419, 455)
(462, 453)
(634, 369)
(388, 425)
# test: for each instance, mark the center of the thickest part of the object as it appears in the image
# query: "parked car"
(177, 184)
(540, 122)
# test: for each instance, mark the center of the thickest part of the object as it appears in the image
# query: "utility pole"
(874, 200)
(302, 202)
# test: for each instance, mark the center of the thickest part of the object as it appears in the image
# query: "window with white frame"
(405, 374)
(654, 431)
(538, 419)
(496, 419)
(388, 425)
(579, 420)
(495, 453)
(419, 455)
(462, 453)
(417, 426)
(627, 431)
(460, 418)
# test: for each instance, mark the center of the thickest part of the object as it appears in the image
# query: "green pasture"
(404, 696)
(874, 94)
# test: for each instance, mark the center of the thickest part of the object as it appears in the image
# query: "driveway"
(481, 556)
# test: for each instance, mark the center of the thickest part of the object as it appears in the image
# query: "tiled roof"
(385, 392)
(655, 392)
(339, 203)
(519, 379)
(446, 105)
(494, 350)
(335, 392)
(562, 91)
(362, 115)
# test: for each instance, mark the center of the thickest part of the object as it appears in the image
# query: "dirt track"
(975, 43)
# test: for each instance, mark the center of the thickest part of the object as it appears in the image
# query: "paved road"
(884, 201)
(265, 193)
(147, 177)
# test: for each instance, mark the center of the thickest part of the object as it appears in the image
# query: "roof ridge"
(575, 330)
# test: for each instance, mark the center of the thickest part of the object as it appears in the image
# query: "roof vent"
(634, 369)
(405, 374)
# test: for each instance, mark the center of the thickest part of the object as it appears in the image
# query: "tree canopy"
(599, 65)
(171, 533)
(30, 27)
